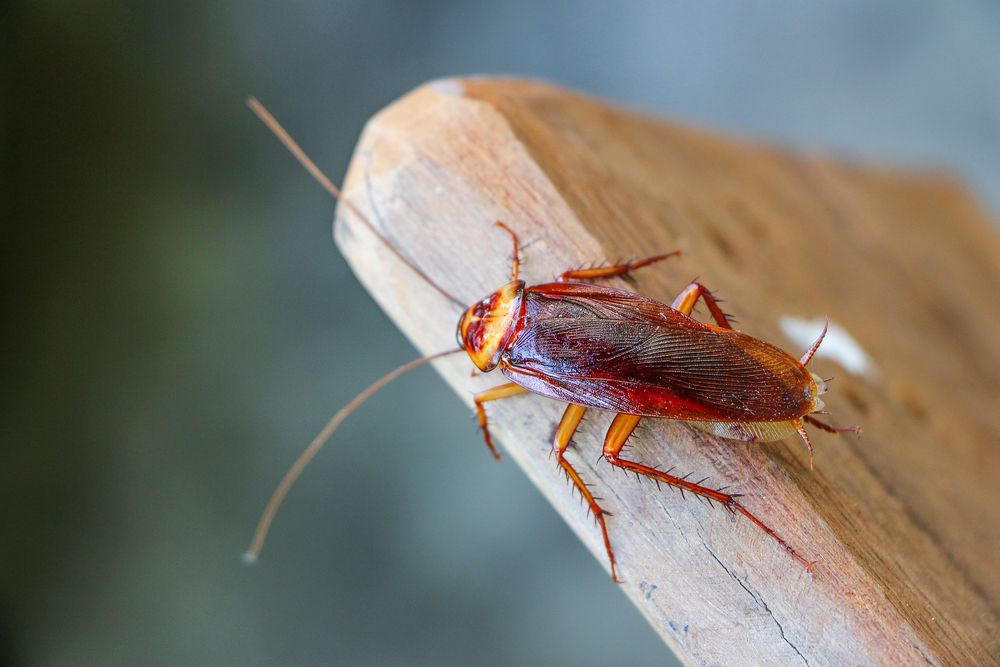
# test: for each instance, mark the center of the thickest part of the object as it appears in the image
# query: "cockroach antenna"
(264, 523)
(293, 147)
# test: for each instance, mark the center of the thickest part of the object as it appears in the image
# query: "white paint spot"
(448, 86)
(839, 345)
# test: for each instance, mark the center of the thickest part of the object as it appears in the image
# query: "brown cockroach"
(595, 347)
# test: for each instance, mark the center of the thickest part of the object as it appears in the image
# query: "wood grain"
(905, 523)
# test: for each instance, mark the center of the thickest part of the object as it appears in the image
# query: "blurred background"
(179, 323)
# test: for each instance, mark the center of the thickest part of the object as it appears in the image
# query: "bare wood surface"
(905, 523)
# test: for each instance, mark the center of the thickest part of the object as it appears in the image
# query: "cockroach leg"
(797, 423)
(619, 432)
(686, 300)
(613, 270)
(494, 394)
(857, 430)
(564, 433)
(807, 357)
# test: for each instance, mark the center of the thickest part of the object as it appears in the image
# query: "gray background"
(180, 324)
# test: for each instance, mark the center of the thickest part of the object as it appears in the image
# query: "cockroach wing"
(614, 350)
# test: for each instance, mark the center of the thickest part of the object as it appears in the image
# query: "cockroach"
(599, 348)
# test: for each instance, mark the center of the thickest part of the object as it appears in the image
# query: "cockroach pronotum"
(596, 347)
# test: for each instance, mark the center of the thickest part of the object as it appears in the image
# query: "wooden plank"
(904, 522)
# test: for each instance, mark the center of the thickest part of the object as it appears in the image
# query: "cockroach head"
(486, 328)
